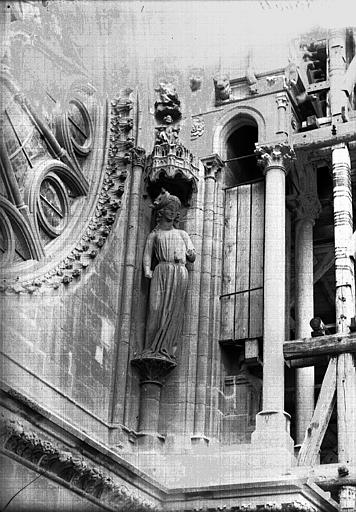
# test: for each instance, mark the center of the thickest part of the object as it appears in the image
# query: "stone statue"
(167, 103)
(170, 248)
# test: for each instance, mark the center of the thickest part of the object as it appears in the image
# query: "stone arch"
(231, 121)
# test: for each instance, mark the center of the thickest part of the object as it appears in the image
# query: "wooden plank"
(242, 316)
(227, 317)
(330, 484)
(324, 137)
(256, 313)
(229, 265)
(243, 238)
(320, 346)
(324, 265)
(230, 241)
(308, 361)
(346, 409)
(317, 427)
(257, 235)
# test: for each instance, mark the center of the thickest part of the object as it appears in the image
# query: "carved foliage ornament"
(197, 129)
(75, 471)
(279, 154)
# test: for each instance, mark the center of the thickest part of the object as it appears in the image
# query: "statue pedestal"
(153, 369)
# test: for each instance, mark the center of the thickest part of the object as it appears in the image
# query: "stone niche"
(240, 404)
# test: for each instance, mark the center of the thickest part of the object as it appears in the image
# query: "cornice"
(47, 458)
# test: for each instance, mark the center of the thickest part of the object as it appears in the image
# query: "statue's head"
(167, 204)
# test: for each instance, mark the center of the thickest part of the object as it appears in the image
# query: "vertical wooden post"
(345, 302)
(344, 268)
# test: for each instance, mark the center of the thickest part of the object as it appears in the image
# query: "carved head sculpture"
(222, 87)
(164, 201)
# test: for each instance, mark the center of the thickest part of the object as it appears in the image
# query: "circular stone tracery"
(53, 205)
(80, 127)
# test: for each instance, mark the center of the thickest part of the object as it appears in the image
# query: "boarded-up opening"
(242, 287)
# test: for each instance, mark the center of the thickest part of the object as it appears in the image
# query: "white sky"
(207, 31)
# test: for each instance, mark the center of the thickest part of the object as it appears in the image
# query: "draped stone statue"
(168, 248)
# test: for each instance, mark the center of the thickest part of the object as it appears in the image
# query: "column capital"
(282, 100)
(307, 207)
(272, 155)
(212, 165)
(138, 156)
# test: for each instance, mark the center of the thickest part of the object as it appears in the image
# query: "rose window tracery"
(53, 205)
(57, 210)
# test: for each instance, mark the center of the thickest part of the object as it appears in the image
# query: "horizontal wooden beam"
(330, 484)
(308, 361)
(325, 136)
(320, 346)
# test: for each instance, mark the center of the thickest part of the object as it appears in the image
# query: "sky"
(209, 30)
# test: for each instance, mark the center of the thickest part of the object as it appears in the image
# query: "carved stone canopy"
(171, 166)
(153, 367)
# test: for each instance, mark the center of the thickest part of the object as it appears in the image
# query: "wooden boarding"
(229, 265)
(243, 235)
(257, 235)
(317, 427)
(242, 290)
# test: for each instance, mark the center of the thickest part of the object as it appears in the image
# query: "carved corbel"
(222, 88)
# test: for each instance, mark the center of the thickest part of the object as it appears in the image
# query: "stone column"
(214, 414)
(308, 209)
(119, 392)
(282, 103)
(272, 423)
(212, 165)
(153, 372)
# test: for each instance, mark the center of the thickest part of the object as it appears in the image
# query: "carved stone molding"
(212, 165)
(46, 457)
(293, 506)
(278, 154)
